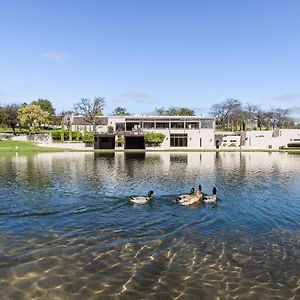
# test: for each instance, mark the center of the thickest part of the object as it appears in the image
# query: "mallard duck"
(182, 198)
(211, 198)
(142, 199)
(199, 192)
(192, 199)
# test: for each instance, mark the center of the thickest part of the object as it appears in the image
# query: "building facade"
(258, 139)
(127, 132)
(180, 133)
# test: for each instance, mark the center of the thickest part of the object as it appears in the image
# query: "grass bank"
(24, 146)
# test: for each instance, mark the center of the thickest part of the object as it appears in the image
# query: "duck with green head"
(211, 198)
(142, 199)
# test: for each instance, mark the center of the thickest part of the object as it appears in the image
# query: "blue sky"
(145, 54)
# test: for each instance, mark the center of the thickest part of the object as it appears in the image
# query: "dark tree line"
(233, 115)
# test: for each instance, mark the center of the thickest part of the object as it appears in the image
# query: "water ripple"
(68, 230)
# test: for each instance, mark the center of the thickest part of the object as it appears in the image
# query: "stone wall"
(45, 138)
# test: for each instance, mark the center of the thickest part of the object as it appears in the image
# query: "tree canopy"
(174, 111)
(120, 111)
(32, 115)
(45, 105)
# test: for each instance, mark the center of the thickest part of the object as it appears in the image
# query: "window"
(192, 125)
(148, 125)
(177, 125)
(120, 126)
(178, 140)
(207, 124)
(200, 142)
(132, 126)
(162, 125)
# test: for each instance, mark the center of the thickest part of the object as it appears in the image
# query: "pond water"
(68, 231)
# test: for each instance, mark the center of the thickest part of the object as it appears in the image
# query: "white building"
(273, 139)
(258, 139)
(181, 132)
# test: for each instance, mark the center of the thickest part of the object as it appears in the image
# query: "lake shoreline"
(17, 146)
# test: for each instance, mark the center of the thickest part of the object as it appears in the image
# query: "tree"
(218, 112)
(32, 115)
(1, 115)
(185, 111)
(160, 111)
(120, 111)
(228, 113)
(62, 132)
(11, 115)
(66, 117)
(261, 119)
(45, 105)
(174, 111)
(251, 111)
(90, 109)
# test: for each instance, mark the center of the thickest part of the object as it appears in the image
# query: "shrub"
(120, 140)
(78, 135)
(154, 138)
(58, 134)
(88, 138)
(110, 129)
(232, 145)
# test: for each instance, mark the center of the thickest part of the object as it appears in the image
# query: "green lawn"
(24, 146)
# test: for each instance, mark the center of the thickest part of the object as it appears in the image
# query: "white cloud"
(138, 97)
(288, 97)
(295, 110)
(55, 56)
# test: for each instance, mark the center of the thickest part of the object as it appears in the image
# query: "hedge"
(56, 135)
(88, 138)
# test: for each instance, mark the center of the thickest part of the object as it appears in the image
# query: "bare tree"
(228, 113)
(90, 109)
(251, 111)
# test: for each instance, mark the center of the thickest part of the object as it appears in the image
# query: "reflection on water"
(67, 230)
